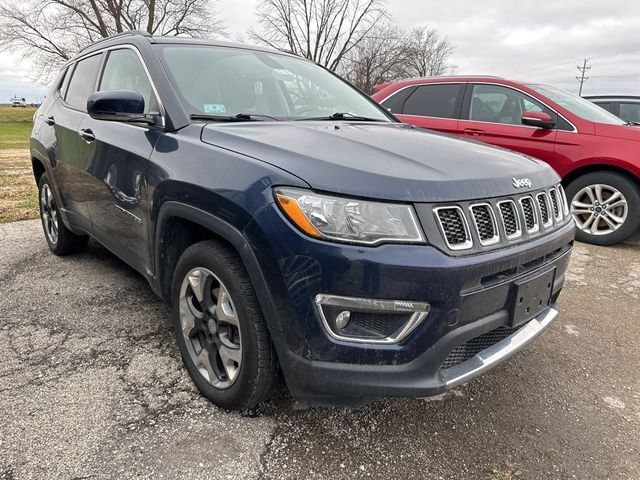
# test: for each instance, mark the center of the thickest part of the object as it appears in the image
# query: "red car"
(596, 153)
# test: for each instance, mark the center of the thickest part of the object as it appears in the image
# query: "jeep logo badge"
(522, 182)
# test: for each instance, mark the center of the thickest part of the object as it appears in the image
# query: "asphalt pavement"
(91, 386)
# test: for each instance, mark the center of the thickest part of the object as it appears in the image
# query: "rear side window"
(608, 106)
(124, 71)
(83, 81)
(436, 100)
(630, 112)
(396, 101)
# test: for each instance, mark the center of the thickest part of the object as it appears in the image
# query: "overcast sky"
(523, 40)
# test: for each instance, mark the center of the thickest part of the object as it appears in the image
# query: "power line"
(583, 78)
(564, 63)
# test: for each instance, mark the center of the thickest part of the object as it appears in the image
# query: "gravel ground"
(91, 386)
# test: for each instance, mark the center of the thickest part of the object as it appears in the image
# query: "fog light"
(370, 320)
(342, 320)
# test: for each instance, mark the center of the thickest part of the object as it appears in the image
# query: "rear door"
(435, 106)
(117, 156)
(69, 168)
(493, 114)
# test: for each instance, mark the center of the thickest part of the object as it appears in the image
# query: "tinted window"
(83, 81)
(436, 100)
(124, 71)
(62, 86)
(630, 112)
(608, 106)
(396, 101)
(498, 104)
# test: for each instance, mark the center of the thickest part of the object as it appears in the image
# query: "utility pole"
(583, 71)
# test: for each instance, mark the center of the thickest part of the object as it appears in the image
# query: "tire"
(60, 239)
(217, 320)
(614, 225)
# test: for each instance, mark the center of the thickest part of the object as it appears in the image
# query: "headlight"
(349, 220)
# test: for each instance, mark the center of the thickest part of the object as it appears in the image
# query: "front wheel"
(605, 206)
(220, 330)
(60, 239)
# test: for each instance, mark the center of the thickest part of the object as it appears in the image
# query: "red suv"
(596, 154)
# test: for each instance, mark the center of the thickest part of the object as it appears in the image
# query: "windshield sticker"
(257, 87)
(214, 108)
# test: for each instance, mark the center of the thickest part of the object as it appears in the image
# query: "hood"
(388, 161)
(623, 132)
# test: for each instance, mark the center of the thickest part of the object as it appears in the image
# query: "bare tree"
(49, 33)
(377, 58)
(427, 53)
(388, 54)
(322, 30)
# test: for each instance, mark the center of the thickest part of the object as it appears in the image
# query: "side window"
(630, 112)
(396, 101)
(124, 71)
(435, 100)
(62, 86)
(82, 83)
(608, 106)
(498, 104)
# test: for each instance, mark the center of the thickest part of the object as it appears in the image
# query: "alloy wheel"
(49, 213)
(599, 209)
(210, 327)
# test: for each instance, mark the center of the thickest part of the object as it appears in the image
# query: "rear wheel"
(219, 327)
(605, 206)
(60, 239)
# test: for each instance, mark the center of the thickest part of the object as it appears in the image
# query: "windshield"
(577, 105)
(227, 81)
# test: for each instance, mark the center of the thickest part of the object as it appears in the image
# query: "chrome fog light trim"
(418, 312)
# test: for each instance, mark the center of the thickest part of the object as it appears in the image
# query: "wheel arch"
(598, 167)
(179, 226)
(38, 168)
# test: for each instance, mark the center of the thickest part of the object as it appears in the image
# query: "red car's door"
(435, 106)
(493, 114)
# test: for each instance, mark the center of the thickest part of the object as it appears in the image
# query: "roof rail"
(128, 33)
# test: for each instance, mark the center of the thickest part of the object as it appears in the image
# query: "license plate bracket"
(530, 296)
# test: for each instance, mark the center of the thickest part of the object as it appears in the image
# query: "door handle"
(50, 121)
(87, 135)
(475, 132)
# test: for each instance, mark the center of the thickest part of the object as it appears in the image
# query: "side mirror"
(538, 119)
(117, 106)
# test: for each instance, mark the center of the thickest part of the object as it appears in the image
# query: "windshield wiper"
(240, 117)
(345, 116)
(632, 124)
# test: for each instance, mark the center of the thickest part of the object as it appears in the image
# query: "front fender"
(227, 232)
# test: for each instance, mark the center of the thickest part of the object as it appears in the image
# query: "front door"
(117, 154)
(493, 114)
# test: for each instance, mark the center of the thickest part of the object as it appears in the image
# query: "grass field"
(18, 193)
(15, 127)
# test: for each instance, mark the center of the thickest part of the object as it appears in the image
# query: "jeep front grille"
(485, 223)
(468, 227)
(510, 220)
(543, 203)
(454, 227)
(530, 217)
(555, 202)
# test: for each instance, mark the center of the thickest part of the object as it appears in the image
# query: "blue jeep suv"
(294, 225)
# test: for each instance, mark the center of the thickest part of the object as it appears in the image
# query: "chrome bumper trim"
(490, 357)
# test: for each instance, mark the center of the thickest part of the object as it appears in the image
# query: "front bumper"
(469, 297)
